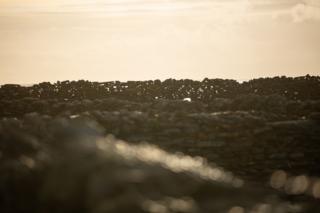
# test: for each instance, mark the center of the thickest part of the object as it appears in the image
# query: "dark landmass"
(55, 157)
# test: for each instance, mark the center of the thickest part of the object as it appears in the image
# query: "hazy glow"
(149, 39)
(174, 162)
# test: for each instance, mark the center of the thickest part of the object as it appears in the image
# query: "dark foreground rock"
(63, 165)
(57, 155)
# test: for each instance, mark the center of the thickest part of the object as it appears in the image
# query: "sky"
(105, 40)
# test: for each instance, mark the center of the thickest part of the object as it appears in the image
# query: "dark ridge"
(298, 88)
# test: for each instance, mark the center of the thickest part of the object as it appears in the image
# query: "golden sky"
(43, 40)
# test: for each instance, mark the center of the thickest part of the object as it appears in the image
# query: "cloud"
(309, 10)
(304, 10)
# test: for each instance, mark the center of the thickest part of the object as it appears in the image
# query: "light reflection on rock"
(236, 209)
(316, 190)
(278, 179)
(176, 162)
(27, 161)
(297, 185)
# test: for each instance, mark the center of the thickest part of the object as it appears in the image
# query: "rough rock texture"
(54, 156)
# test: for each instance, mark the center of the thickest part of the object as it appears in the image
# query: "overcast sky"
(103, 40)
